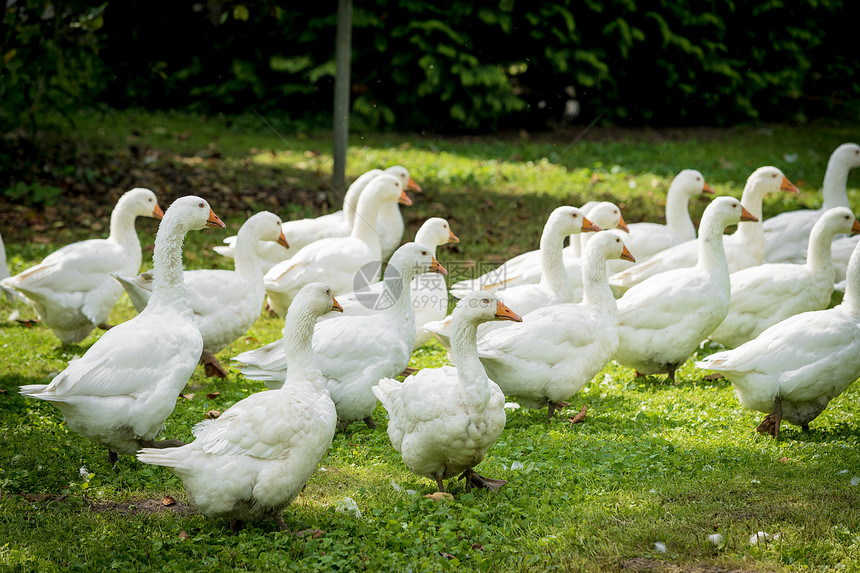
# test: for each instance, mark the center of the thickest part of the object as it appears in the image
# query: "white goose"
(555, 286)
(558, 349)
(787, 234)
(796, 367)
(647, 239)
(72, 288)
(120, 392)
(766, 294)
(336, 261)
(302, 232)
(428, 291)
(444, 420)
(225, 303)
(743, 248)
(355, 352)
(665, 317)
(253, 460)
(526, 268)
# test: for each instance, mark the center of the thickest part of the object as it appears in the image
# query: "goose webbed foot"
(805, 428)
(553, 406)
(370, 423)
(770, 423)
(211, 366)
(279, 521)
(475, 480)
(113, 458)
(408, 371)
(439, 483)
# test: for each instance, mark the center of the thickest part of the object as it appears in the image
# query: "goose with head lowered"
(72, 288)
(792, 370)
(444, 420)
(663, 319)
(786, 235)
(428, 291)
(355, 352)
(766, 294)
(336, 261)
(303, 232)
(255, 458)
(120, 392)
(225, 303)
(743, 248)
(559, 348)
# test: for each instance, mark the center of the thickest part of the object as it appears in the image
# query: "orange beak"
(622, 225)
(788, 186)
(588, 226)
(282, 240)
(435, 267)
(404, 198)
(746, 215)
(855, 228)
(504, 313)
(452, 238)
(412, 185)
(707, 189)
(335, 306)
(157, 213)
(625, 254)
(214, 221)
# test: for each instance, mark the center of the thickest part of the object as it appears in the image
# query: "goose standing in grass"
(336, 261)
(665, 317)
(120, 392)
(792, 370)
(428, 291)
(787, 234)
(526, 268)
(769, 293)
(355, 352)
(555, 286)
(255, 458)
(72, 288)
(647, 239)
(743, 248)
(558, 349)
(444, 420)
(303, 232)
(225, 303)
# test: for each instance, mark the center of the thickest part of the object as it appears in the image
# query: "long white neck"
(819, 257)
(122, 232)
(298, 348)
(396, 290)
(350, 199)
(553, 274)
(835, 183)
(470, 371)
(595, 283)
(712, 253)
(364, 227)
(246, 261)
(678, 212)
(168, 284)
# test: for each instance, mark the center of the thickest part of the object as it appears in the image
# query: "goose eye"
(424, 253)
(200, 205)
(485, 300)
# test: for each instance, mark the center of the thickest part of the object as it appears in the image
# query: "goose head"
(838, 220)
(608, 245)
(723, 212)
(691, 182)
(403, 174)
(194, 213)
(434, 232)
(141, 202)
(847, 154)
(568, 220)
(264, 226)
(607, 215)
(315, 299)
(768, 179)
(382, 189)
(478, 307)
(412, 259)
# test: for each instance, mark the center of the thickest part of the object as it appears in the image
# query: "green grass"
(653, 463)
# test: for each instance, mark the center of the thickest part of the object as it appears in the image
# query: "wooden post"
(342, 57)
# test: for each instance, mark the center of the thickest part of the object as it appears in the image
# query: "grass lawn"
(644, 484)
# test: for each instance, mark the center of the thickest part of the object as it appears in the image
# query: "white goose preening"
(355, 352)
(225, 303)
(255, 458)
(444, 420)
(766, 294)
(743, 248)
(336, 261)
(557, 349)
(428, 291)
(120, 392)
(72, 288)
(526, 268)
(555, 286)
(303, 232)
(792, 370)
(665, 317)
(787, 234)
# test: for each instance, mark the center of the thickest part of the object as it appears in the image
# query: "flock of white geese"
(537, 329)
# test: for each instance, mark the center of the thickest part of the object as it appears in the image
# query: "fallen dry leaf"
(714, 376)
(213, 395)
(447, 555)
(440, 496)
(212, 414)
(36, 497)
(579, 418)
(784, 460)
(314, 533)
(183, 536)
(167, 500)
(187, 396)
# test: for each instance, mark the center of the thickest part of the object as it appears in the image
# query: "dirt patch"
(141, 506)
(642, 565)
